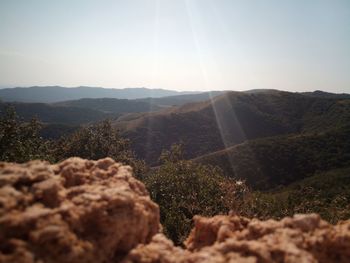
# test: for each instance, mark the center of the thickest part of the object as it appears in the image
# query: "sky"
(295, 45)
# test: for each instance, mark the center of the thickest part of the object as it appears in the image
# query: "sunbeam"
(155, 75)
(220, 108)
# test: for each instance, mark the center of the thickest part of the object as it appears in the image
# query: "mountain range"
(52, 94)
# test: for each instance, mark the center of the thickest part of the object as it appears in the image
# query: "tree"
(184, 189)
(99, 141)
(20, 141)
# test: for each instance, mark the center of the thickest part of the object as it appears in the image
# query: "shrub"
(19, 140)
(325, 193)
(184, 189)
(99, 141)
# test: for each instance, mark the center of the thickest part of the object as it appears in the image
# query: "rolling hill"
(111, 105)
(178, 100)
(266, 163)
(231, 119)
(323, 94)
(47, 113)
(76, 112)
(62, 118)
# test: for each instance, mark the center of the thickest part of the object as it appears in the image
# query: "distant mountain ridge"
(323, 94)
(51, 94)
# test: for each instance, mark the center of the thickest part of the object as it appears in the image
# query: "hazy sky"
(292, 45)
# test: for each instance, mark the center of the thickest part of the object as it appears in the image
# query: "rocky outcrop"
(302, 238)
(75, 211)
(95, 211)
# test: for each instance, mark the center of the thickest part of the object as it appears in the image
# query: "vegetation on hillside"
(178, 100)
(325, 193)
(271, 162)
(183, 189)
(231, 119)
(20, 141)
(47, 113)
(111, 105)
(54, 131)
(98, 141)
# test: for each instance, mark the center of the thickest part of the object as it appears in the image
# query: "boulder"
(297, 239)
(75, 211)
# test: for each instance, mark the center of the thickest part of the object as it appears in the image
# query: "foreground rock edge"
(299, 239)
(74, 211)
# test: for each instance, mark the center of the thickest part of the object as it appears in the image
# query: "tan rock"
(300, 239)
(75, 211)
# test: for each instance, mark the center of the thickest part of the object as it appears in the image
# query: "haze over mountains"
(55, 93)
(87, 110)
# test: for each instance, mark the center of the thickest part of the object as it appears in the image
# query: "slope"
(270, 162)
(111, 105)
(179, 100)
(54, 114)
(230, 119)
(326, 193)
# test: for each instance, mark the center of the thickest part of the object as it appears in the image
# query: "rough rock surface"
(75, 211)
(95, 211)
(302, 238)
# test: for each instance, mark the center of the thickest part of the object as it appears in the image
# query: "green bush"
(98, 141)
(183, 189)
(20, 141)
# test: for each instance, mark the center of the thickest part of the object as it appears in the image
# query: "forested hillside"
(231, 119)
(178, 100)
(326, 193)
(111, 105)
(271, 162)
(78, 112)
(47, 113)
